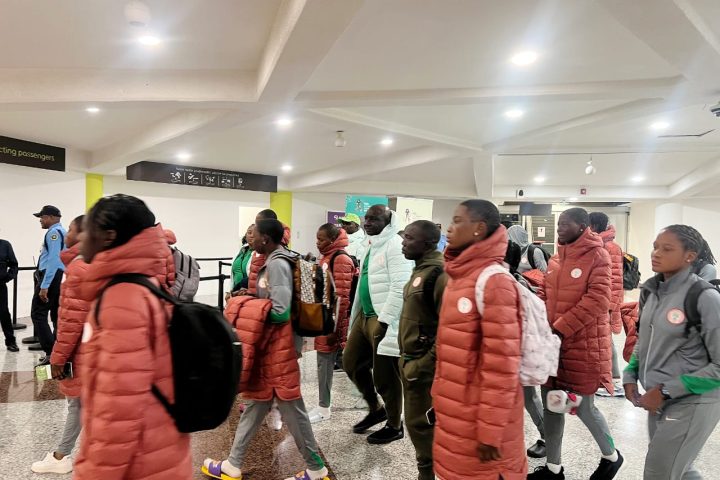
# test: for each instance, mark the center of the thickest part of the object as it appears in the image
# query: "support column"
(281, 203)
(93, 189)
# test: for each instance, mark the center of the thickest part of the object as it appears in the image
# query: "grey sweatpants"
(72, 427)
(615, 362)
(326, 369)
(590, 416)
(534, 408)
(676, 438)
(294, 415)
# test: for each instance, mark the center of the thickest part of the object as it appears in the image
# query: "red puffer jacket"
(71, 318)
(258, 261)
(270, 366)
(476, 393)
(342, 273)
(629, 314)
(171, 240)
(577, 290)
(617, 291)
(127, 433)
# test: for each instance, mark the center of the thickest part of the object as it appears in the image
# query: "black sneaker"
(12, 347)
(372, 419)
(387, 434)
(537, 450)
(44, 361)
(544, 473)
(29, 340)
(607, 469)
(35, 347)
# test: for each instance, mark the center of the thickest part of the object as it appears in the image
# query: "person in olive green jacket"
(418, 329)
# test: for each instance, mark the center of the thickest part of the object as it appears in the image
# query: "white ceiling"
(434, 75)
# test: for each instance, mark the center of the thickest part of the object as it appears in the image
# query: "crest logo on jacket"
(576, 273)
(416, 283)
(464, 305)
(262, 283)
(676, 316)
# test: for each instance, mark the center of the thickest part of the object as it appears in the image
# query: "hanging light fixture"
(590, 169)
(340, 139)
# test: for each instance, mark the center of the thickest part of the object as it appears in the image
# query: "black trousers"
(40, 310)
(5, 318)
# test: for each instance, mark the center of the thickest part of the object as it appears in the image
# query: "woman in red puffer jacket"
(477, 396)
(71, 318)
(577, 291)
(127, 433)
(332, 242)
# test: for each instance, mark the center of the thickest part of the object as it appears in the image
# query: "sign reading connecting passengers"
(31, 154)
(201, 177)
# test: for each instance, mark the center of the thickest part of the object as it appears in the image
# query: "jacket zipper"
(652, 335)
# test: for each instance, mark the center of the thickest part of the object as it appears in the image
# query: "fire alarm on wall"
(583, 191)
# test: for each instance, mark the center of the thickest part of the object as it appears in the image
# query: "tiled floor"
(32, 417)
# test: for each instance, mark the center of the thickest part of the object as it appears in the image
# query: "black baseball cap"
(48, 210)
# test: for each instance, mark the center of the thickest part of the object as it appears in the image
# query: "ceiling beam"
(411, 189)
(302, 35)
(484, 172)
(186, 124)
(57, 86)
(370, 166)
(699, 180)
(561, 193)
(604, 90)
(677, 32)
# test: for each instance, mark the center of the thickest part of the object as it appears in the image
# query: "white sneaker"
(50, 464)
(274, 419)
(319, 414)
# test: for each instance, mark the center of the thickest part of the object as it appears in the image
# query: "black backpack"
(531, 255)
(631, 272)
(513, 255)
(206, 360)
(690, 304)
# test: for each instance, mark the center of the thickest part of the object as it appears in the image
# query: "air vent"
(688, 135)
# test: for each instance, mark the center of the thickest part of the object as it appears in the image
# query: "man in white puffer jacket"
(371, 354)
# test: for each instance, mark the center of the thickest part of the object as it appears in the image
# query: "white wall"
(704, 215)
(206, 221)
(642, 231)
(309, 212)
(24, 191)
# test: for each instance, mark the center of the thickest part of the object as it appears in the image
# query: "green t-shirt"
(239, 266)
(364, 289)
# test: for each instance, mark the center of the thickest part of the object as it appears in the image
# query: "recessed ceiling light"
(284, 122)
(184, 156)
(287, 168)
(524, 58)
(92, 110)
(514, 113)
(149, 40)
(660, 125)
(387, 141)
(572, 199)
(638, 179)
(539, 179)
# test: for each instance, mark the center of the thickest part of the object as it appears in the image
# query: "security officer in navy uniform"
(8, 271)
(48, 277)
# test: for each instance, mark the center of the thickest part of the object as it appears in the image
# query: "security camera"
(590, 169)
(520, 193)
(715, 109)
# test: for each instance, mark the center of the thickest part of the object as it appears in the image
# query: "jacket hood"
(391, 230)
(146, 253)
(70, 254)
(519, 235)
(608, 235)
(340, 243)
(589, 240)
(358, 236)
(490, 250)
(170, 236)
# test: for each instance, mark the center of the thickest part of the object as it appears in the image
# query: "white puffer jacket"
(358, 244)
(388, 272)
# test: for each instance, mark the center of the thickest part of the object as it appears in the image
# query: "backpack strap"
(694, 319)
(482, 280)
(143, 280)
(531, 255)
(337, 253)
(429, 288)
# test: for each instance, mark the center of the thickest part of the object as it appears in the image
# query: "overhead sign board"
(200, 177)
(31, 154)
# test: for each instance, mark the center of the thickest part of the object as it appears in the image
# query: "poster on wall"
(359, 204)
(334, 218)
(31, 154)
(200, 177)
(413, 209)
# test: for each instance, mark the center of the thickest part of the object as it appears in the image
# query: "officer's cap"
(48, 210)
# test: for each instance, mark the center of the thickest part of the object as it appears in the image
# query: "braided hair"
(693, 241)
(124, 214)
